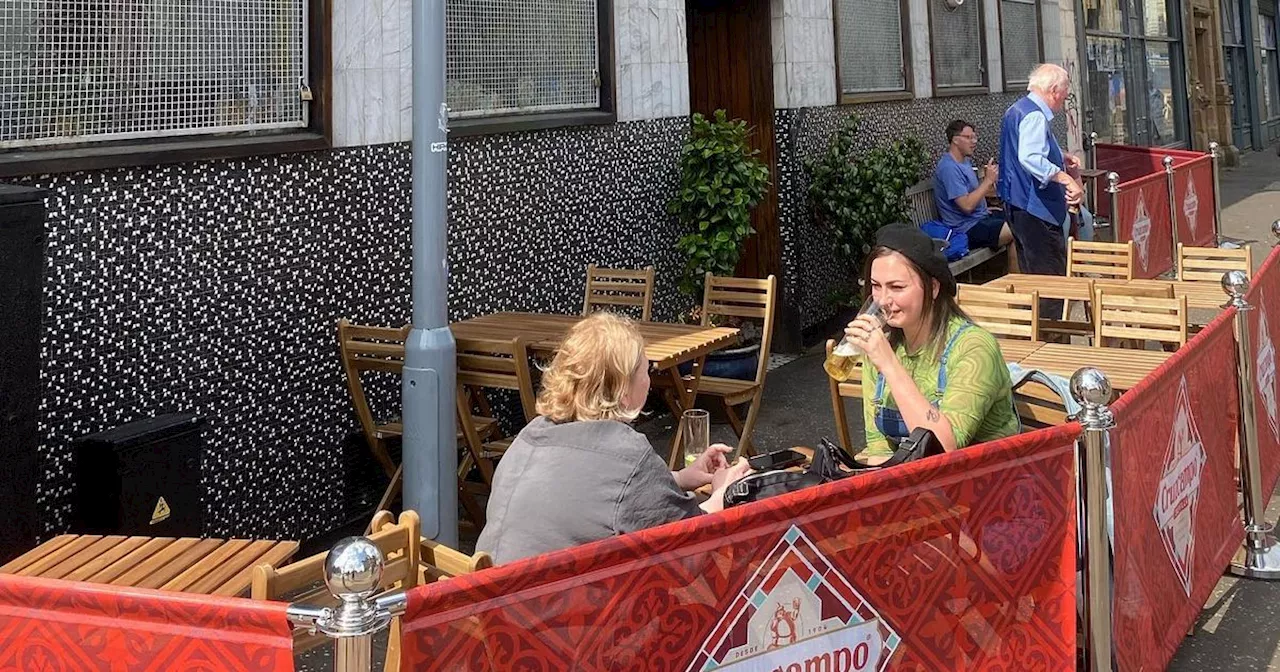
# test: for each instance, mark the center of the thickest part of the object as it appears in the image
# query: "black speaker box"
(22, 262)
(141, 479)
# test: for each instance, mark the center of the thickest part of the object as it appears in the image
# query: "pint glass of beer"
(844, 357)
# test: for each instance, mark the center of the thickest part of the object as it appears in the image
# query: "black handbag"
(830, 463)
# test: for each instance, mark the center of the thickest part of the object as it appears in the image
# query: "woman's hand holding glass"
(701, 471)
(866, 333)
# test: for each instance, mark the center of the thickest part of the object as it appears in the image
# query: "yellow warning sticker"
(161, 513)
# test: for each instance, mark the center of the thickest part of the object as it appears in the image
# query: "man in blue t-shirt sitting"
(961, 198)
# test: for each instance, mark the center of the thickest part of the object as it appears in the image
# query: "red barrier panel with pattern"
(1264, 331)
(1129, 162)
(1177, 523)
(1144, 218)
(959, 562)
(53, 625)
(1193, 205)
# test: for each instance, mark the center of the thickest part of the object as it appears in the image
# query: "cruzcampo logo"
(1142, 229)
(1179, 489)
(1191, 206)
(797, 612)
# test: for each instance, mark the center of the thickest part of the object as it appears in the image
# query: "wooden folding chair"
(1208, 264)
(439, 562)
(615, 287)
(1139, 319)
(1098, 260)
(367, 348)
(750, 299)
(487, 364)
(1004, 314)
(849, 389)
(303, 581)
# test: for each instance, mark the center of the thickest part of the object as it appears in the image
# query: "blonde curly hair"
(592, 371)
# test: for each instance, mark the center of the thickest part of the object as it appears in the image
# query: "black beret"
(925, 252)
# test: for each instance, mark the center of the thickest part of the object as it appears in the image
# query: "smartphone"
(779, 459)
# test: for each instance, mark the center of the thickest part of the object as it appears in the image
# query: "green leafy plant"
(855, 193)
(721, 182)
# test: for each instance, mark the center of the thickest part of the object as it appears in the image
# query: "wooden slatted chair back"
(1139, 318)
(965, 289)
(1208, 264)
(747, 298)
(1104, 260)
(1154, 289)
(921, 207)
(1004, 314)
(303, 581)
(619, 288)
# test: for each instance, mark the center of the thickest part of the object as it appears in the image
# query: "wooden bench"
(922, 208)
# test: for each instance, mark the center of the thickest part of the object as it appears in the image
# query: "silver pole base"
(1262, 562)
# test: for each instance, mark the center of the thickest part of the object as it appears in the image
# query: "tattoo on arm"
(932, 415)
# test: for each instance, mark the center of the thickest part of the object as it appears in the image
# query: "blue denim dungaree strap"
(889, 420)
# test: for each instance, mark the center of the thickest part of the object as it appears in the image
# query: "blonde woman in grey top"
(579, 472)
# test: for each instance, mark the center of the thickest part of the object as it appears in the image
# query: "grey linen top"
(560, 485)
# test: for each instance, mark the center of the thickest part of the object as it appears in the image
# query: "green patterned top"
(978, 400)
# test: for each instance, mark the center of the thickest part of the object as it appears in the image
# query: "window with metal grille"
(74, 71)
(872, 58)
(955, 31)
(522, 56)
(1020, 39)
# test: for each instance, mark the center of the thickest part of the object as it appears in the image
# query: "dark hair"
(956, 128)
(937, 310)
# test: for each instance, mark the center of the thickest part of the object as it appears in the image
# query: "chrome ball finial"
(1168, 162)
(353, 568)
(1275, 230)
(1090, 387)
(1235, 283)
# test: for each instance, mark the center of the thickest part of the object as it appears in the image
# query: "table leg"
(682, 397)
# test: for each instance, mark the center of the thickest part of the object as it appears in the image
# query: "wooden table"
(203, 566)
(1016, 351)
(666, 345)
(1203, 295)
(1124, 368)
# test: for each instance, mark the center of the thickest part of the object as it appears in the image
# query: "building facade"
(219, 198)
(1181, 74)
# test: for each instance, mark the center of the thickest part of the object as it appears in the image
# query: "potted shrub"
(721, 181)
(854, 194)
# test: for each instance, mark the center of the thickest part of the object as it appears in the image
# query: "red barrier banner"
(1264, 332)
(1193, 201)
(1129, 162)
(1177, 523)
(1144, 218)
(53, 625)
(958, 562)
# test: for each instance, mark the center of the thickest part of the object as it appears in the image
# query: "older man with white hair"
(1036, 180)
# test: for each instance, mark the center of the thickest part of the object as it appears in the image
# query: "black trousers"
(1042, 250)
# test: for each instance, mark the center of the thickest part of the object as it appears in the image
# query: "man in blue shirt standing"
(961, 198)
(1034, 181)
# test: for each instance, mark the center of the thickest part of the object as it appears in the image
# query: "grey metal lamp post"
(430, 457)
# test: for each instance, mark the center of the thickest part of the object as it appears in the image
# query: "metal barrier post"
(1092, 390)
(1173, 213)
(1259, 557)
(1091, 154)
(1113, 188)
(1217, 196)
(352, 572)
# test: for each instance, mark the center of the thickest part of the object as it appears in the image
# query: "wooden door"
(731, 68)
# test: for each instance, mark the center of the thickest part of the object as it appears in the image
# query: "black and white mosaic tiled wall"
(214, 287)
(811, 270)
